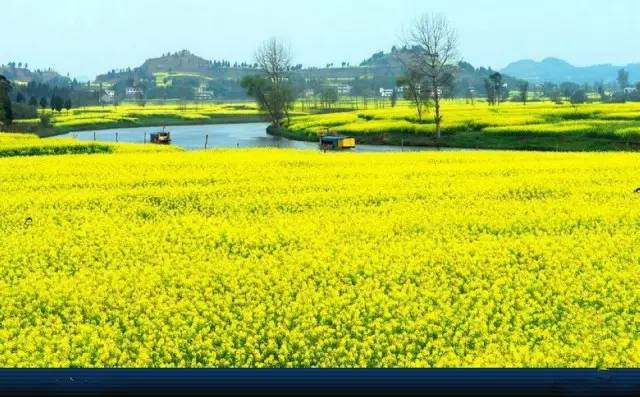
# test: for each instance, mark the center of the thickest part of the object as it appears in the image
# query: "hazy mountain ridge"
(182, 62)
(381, 70)
(26, 75)
(556, 70)
(179, 62)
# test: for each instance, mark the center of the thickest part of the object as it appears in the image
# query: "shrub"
(45, 120)
(24, 111)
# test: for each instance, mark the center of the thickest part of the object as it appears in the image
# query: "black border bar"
(188, 382)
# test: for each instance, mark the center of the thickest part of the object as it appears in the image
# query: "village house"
(133, 92)
(344, 89)
(203, 94)
(386, 93)
(108, 97)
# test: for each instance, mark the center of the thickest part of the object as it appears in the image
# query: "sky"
(89, 37)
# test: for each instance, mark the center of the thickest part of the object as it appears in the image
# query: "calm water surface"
(248, 135)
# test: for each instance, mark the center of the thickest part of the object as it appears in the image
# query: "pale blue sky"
(87, 37)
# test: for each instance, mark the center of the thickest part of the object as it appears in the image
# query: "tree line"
(430, 68)
(19, 106)
(429, 60)
(425, 69)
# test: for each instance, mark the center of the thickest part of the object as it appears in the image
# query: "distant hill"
(185, 75)
(183, 61)
(22, 74)
(468, 77)
(557, 71)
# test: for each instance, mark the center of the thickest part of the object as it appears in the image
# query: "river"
(193, 137)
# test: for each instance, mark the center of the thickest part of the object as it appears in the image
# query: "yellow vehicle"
(337, 142)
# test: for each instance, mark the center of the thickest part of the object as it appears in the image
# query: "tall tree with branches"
(6, 112)
(524, 92)
(271, 88)
(415, 91)
(497, 84)
(274, 59)
(413, 82)
(623, 79)
(434, 51)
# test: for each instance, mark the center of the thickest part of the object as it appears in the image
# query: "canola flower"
(24, 144)
(132, 115)
(536, 118)
(278, 258)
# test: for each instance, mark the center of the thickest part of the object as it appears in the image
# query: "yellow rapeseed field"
(131, 113)
(23, 144)
(536, 118)
(277, 258)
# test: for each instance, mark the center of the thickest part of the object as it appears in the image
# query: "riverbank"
(148, 122)
(219, 136)
(24, 144)
(96, 118)
(536, 127)
(544, 126)
(481, 140)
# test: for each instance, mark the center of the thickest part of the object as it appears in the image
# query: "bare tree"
(413, 82)
(415, 91)
(272, 89)
(433, 45)
(274, 59)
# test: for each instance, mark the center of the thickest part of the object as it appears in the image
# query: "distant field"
(164, 79)
(131, 116)
(538, 125)
(241, 258)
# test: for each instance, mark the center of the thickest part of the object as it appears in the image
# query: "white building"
(202, 94)
(386, 93)
(205, 95)
(344, 89)
(133, 92)
(108, 96)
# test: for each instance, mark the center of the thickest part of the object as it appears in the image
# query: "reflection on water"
(248, 135)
